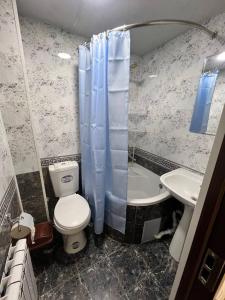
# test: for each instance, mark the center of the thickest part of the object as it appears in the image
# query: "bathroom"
(129, 241)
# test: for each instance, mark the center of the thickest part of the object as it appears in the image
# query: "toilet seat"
(71, 214)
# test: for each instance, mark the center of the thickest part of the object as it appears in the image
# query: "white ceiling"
(86, 17)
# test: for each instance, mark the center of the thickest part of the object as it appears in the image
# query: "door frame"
(205, 212)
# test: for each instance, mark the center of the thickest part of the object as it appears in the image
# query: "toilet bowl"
(71, 215)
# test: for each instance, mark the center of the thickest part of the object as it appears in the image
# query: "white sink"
(185, 186)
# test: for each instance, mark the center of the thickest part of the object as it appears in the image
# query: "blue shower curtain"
(103, 97)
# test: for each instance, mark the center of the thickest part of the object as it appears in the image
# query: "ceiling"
(88, 17)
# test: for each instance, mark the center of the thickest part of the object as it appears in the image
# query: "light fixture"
(221, 56)
(152, 76)
(64, 55)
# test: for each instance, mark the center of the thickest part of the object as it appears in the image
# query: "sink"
(185, 186)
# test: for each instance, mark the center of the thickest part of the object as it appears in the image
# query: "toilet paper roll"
(19, 231)
(24, 227)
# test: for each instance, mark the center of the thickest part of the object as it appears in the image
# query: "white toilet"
(72, 213)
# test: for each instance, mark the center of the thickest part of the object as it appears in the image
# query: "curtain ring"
(124, 27)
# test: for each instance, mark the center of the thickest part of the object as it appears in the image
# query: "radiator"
(18, 281)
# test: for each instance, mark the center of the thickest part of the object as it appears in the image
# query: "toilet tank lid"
(63, 166)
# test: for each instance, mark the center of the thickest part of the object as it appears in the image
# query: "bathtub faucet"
(131, 157)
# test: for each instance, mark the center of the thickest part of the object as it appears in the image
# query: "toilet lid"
(71, 211)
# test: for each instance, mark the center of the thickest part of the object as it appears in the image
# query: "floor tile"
(156, 254)
(166, 276)
(73, 289)
(101, 282)
(90, 256)
(110, 271)
(111, 246)
(129, 266)
(147, 289)
(160, 263)
(53, 275)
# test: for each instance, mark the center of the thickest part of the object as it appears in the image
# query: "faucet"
(131, 156)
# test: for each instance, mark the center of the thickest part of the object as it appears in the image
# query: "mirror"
(209, 102)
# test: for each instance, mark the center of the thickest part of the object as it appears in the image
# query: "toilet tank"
(65, 178)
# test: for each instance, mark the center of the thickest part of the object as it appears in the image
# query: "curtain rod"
(212, 34)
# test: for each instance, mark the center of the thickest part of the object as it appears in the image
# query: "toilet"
(72, 212)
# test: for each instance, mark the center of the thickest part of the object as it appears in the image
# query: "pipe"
(213, 34)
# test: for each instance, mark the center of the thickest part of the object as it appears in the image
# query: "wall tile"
(53, 85)
(9, 202)
(32, 195)
(161, 114)
(11, 208)
(13, 94)
(14, 106)
(6, 167)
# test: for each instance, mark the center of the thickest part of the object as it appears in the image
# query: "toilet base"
(74, 243)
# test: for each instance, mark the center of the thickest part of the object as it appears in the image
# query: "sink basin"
(183, 185)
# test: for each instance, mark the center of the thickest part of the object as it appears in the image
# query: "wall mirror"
(209, 99)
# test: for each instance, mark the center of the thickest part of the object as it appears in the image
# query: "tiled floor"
(113, 271)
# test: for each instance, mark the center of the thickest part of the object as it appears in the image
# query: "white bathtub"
(144, 187)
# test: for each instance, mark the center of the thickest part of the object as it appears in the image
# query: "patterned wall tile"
(13, 94)
(8, 194)
(53, 85)
(165, 103)
(9, 207)
(6, 166)
(45, 162)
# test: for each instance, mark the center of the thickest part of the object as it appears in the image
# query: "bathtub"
(144, 187)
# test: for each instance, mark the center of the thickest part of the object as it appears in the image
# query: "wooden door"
(204, 268)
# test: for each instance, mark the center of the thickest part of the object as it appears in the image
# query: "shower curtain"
(103, 98)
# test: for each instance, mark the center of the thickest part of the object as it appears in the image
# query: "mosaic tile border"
(45, 162)
(157, 159)
(162, 163)
(7, 198)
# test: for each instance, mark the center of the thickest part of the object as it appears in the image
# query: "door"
(205, 264)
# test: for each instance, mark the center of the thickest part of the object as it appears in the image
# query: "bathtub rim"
(150, 200)
(158, 198)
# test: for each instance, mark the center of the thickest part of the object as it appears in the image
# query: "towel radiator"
(18, 281)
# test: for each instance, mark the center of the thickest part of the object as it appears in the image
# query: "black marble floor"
(113, 271)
